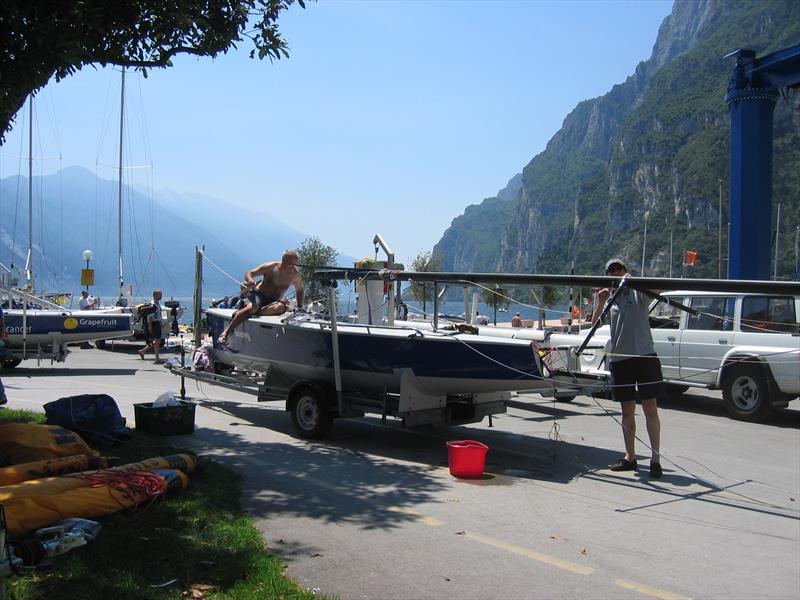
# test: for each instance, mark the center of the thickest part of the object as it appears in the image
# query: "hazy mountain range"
(73, 210)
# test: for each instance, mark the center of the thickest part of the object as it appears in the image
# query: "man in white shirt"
(87, 302)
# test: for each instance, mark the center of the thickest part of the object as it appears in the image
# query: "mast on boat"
(29, 259)
(119, 192)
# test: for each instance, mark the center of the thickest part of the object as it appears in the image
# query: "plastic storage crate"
(164, 420)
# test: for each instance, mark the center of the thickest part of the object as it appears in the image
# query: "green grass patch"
(198, 537)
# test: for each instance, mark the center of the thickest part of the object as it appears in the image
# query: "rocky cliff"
(654, 149)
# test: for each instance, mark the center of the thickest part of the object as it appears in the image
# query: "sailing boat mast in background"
(119, 192)
(29, 260)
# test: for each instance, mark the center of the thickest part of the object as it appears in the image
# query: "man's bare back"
(266, 295)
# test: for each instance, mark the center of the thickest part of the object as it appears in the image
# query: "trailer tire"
(746, 393)
(566, 398)
(100, 344)
(311, 412)
(11, 363)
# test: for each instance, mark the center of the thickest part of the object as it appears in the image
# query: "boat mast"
(119, 192)
(29, 260)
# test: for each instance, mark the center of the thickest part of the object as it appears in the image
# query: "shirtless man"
(266, 295)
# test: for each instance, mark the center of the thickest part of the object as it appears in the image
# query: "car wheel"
(310, 410)
(100, 344)
(745, 393)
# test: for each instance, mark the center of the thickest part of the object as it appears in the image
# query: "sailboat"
(37, 327)
(171, 309)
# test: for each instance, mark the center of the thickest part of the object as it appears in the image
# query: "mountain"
(74, 210)
(654, 147)
(270, 237)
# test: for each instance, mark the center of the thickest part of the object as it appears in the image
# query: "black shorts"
(155, 330)
(644, 372)
(260, 300)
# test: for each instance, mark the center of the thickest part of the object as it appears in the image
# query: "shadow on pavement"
(713, 406)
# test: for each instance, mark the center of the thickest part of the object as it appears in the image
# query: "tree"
(312, 255)
(545, 296)
(45, 38)
(425, 262)
(496, 296)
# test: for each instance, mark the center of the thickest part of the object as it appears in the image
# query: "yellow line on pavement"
(648, 590)
(421, 518)
(545, 558)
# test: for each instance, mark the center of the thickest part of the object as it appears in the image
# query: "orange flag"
(690, 257)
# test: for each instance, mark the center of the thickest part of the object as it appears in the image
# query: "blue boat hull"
(373, 359)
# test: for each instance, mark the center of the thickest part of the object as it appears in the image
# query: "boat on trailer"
(41, 330)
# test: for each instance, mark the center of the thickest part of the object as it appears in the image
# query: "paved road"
(374, 513)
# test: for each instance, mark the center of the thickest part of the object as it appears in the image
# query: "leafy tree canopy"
(425, 262)
(40, 39)
(313, 254)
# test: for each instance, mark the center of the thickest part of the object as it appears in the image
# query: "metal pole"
(29, 262)
(435, 305)
(670, 255)
(719, 234)
(797, 253)
(183, 366)
(198, 294)
(777, 233)
(337, 365)
(466, 306)
(644, 243)
(599, 321)
(119, 187)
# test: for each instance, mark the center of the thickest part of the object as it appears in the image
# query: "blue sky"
(389, 117)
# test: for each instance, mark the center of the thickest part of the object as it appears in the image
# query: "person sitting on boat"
(266, 296)
(316, 307)
(87, 302)
(516, 320)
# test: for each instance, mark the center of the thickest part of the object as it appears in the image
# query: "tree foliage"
(425, 262)
(313, 254)
(40, 39)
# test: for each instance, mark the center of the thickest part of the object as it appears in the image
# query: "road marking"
(421, 518)
(648, 590)
(545, 558)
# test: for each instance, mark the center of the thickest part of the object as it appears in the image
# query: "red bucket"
(467, 458)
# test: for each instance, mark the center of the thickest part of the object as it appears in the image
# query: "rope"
(220, 269)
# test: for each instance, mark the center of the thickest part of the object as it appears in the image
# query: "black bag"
(145, 309)
(95, 417)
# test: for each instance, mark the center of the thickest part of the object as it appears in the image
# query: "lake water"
(348, 305)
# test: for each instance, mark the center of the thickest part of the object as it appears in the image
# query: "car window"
(714, 313)
(664, 316)
(769, 314)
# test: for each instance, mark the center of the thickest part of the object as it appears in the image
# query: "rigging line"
(163, 266)
(666, 458)
(515, 301)
(104, 121)
(221, 270)
(19, 182)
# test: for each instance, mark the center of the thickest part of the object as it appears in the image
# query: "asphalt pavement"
(373, 512)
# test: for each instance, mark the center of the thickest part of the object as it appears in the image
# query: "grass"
(198, 537)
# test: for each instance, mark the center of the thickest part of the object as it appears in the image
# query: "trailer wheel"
(745, 393)
(310, 410)
(11, 363)
(100, 344)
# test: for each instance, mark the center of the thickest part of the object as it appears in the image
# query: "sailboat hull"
(375, 358)
(43, 326)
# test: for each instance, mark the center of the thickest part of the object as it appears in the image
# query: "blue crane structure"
(753, 89)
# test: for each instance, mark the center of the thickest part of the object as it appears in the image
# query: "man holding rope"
(266, 296)
(633, 363)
